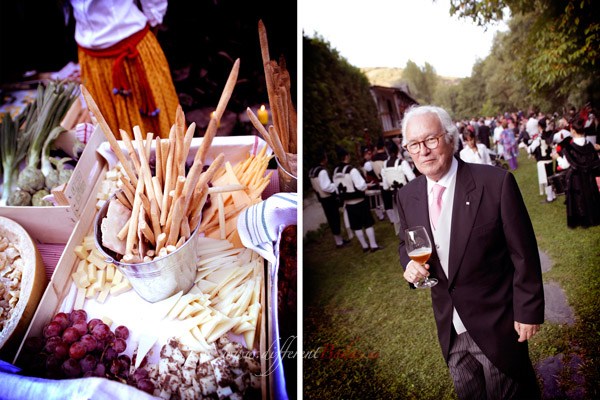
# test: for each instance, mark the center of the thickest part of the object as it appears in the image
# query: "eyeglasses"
(431, 143)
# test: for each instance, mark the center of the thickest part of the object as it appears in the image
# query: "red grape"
(63, 319)
(100, 370)
(93, 322)
(81, 327)
(88, 363)
(122, 332)
(116, 367)
(61, 351)
(52, 363)
(71, 368)
(51, 344)
(119, 345)
(77, 350)
(145, 385)
(109, 354)
(78, 315)
(89, 342)
(101, 332)
(52, 329)
(70, 335)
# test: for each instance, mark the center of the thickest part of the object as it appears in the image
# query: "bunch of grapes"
(73, 347)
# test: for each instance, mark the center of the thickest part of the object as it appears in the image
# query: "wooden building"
(391, 104)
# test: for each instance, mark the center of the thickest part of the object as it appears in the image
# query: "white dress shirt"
(325, 182)
(441, 235)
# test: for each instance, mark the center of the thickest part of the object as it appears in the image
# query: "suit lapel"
(467, 197)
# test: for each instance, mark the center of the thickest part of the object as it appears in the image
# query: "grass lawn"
(366, 335)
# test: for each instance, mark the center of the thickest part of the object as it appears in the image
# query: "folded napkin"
(260, 225)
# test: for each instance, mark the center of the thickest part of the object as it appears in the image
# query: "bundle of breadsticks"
(154, 214)
(281, 136)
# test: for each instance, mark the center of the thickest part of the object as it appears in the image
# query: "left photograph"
(149, 200)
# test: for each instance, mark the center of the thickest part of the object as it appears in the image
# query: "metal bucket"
(158, 279)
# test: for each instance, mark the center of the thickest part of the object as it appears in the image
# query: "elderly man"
(489, 299)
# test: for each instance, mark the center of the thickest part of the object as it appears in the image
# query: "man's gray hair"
(448, 125)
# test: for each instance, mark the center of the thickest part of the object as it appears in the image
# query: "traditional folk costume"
(582, 195)
(123, 66)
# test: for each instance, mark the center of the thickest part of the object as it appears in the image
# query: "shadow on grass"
(336, 367)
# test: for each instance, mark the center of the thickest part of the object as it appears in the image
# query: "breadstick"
(148, 144)
(259, 127)
(197, 215)
(123, 199)
(176, 221)
(184, 232)
(144, 163)
(164, 210)
(146, 231)
(165, 145)
(112, 140)
(207, 176)
(179, 134)
(160, 242)
(157, 190)
(155, 218)
(158, 164)
(228, 90)
(279, 152)
(137, 202)
(127, 188)
(187, 140)
(131, 150)
(176, 194)
(145, 202)
(122, 235)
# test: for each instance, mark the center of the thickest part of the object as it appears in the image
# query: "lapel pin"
(468, 203)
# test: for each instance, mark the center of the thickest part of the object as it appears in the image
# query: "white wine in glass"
(418, 247)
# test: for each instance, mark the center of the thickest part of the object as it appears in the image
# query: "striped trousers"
(474, 375)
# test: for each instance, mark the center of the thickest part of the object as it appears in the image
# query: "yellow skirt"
(123, 112)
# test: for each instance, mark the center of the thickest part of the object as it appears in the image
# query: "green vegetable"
(59, 175)
(52, 103)
(13, 147)
(46, 164)
(38, 199)
(31, 180)
(19, 198)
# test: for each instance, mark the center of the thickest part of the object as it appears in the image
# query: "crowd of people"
(566, 148)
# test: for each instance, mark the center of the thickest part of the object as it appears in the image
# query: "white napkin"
(260, 225)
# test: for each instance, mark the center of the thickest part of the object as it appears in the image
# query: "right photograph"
(451, 200)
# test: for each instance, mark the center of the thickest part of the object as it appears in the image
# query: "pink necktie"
(436, 207)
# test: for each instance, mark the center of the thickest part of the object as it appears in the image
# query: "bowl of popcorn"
(22, 284)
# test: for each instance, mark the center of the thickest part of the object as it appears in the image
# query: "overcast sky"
(387, 33)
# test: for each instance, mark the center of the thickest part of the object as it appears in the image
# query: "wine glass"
(418, 247)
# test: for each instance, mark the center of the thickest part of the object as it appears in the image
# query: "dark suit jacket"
(494, 267)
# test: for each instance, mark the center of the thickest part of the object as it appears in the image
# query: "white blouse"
(102, 23)
(481, 156)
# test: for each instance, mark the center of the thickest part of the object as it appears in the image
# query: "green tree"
(561, 48)
(338, 108)
(422, 83)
